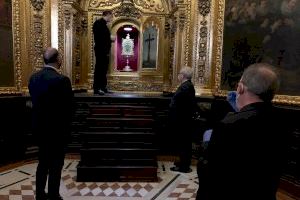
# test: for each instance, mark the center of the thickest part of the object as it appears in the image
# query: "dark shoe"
(55, 198)
(43, 196)
(177, 169)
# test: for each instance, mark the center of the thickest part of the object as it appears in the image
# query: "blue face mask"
(231, 98)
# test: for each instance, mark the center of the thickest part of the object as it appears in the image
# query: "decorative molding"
(67, 15)
(37, 4)
(77, 19)
(100, 4)
(84, 24)
(136, 86)
(187, 43)
(203, 70)
(150, 5)
(204, 7)
(37, 41)
(218, 40)
(61, 27)
(127, 9)
(182, 20)
(17, 45)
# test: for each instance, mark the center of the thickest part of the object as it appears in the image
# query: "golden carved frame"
(17, 15)
(217, 30)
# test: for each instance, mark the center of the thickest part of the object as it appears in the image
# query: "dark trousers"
(51, 161)
(183, 144)
(101, 68)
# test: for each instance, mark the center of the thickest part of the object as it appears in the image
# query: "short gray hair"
(262, 80)
(187, 72)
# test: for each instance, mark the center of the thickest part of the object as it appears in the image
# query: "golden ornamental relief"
(218, 7)
(103, 3)
(203, 69)
(37, 4)
(37, 41)
(61, 35)
(187, 26)
(84, 24)
(67, 16)
(204, 7)
(150, 5)
(136, 86)
(127, 9)
(17, 46)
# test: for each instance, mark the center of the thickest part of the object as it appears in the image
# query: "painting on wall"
(6, 41)
(258, 31)
(150, 47)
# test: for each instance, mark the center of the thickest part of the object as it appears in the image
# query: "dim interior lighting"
(127, 29)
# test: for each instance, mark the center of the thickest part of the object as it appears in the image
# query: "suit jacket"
(183, 103)
(245, 155)
(52, 100)
(101, 37)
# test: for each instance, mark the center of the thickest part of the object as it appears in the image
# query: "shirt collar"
(49, 66)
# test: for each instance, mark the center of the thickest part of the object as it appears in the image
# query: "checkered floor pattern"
(19, 184)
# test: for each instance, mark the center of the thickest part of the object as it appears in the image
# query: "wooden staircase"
(118, 142)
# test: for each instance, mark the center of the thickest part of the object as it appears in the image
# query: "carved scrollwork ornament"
(37, 4)
(84, 24)
(127, 9)
(67, 14)
(203, 31)
(182, 20)
(204, 7)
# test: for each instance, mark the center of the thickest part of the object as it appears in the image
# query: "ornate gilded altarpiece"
(183, 39)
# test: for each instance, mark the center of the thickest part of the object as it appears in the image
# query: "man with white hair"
(182, 108)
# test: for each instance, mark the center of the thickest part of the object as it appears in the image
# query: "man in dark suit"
(102, 39)
(51, 95)
(245, 153)
(182, 108)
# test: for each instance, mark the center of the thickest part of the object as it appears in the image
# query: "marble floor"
(18, 183)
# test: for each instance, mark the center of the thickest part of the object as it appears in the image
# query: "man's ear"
(240, 88)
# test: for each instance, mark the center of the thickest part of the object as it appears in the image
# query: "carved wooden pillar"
(203, 72)
(39, 31)
(74, 28)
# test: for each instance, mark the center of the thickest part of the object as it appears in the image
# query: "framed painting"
(150, 47)
(246, 32)
(6, 40)
(10, 54)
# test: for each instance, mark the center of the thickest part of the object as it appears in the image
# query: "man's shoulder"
(99, 22)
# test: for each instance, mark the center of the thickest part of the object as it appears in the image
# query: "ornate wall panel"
(39, 31)
(183, 34)
(201, 61)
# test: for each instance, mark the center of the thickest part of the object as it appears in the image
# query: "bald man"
(51, 95)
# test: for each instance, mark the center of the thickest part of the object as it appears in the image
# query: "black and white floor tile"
(19, 184)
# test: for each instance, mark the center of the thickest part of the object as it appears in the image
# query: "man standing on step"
(102, 39)
(52, 97)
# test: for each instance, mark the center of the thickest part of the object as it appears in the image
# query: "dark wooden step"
(118, 129)
(117, 136)
(124, 120)
(121, 145)
(119, 162)
(117, 153)
(116, 173)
